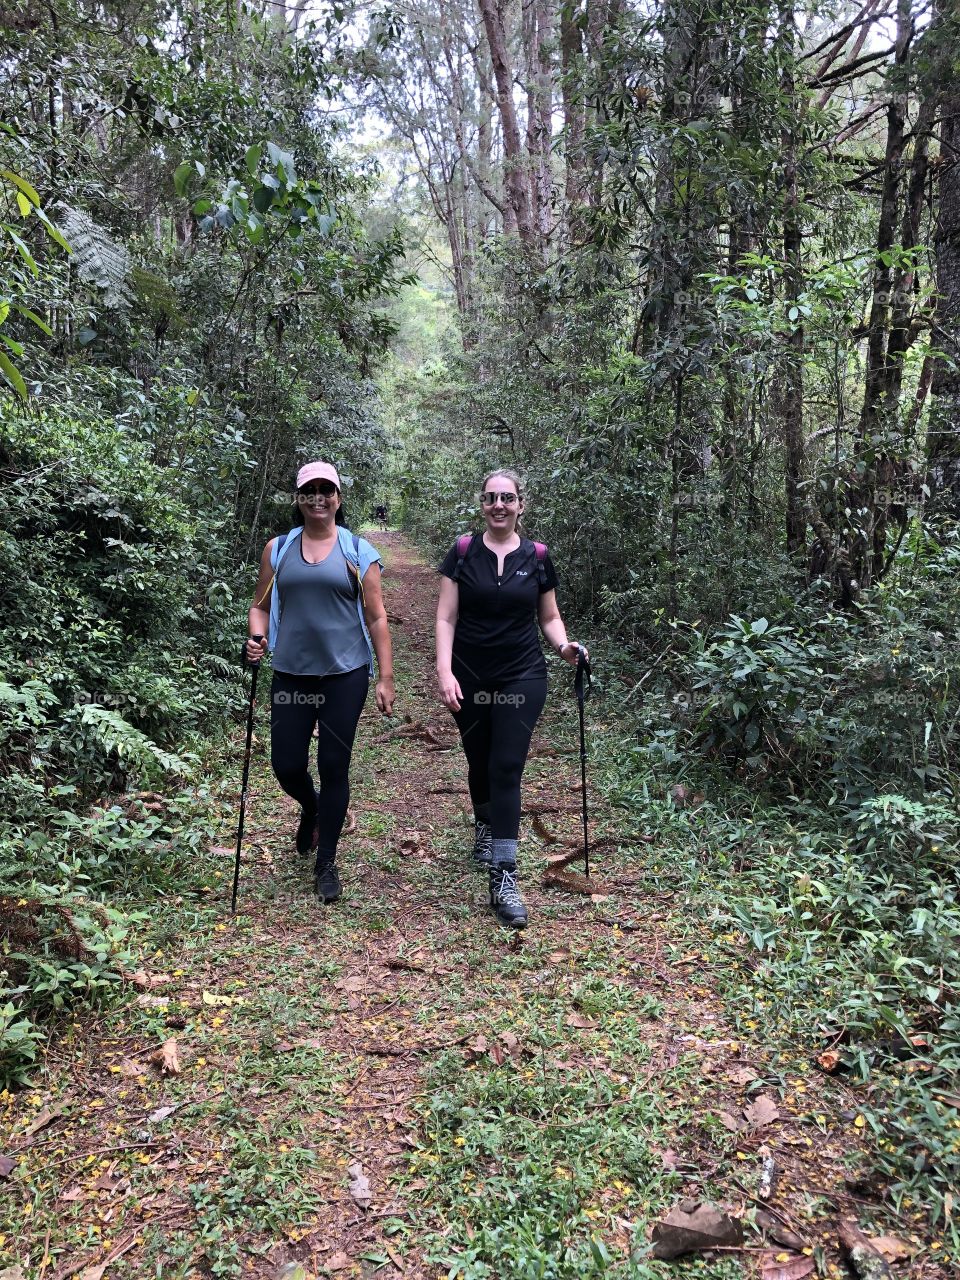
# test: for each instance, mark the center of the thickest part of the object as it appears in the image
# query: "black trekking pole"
(255, 667)
(583, 669)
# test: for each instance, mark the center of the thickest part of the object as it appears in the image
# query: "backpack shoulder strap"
(541, 550)
(463, 546)
(353, 565)
(274, 565)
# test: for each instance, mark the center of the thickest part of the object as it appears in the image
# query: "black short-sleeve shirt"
(496, 638)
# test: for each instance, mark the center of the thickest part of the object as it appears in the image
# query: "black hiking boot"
(505, 897)
(482, 845)
(327, 883)
(308, 832)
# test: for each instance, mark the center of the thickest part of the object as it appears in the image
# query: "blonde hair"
(507, 475)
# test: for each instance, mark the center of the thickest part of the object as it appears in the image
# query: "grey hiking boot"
(505, 897)
(327, 883)
(482, 845)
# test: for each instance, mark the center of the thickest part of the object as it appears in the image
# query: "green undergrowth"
(830, 927)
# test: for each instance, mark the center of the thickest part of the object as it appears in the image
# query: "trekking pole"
(255, 668)
(583, 669)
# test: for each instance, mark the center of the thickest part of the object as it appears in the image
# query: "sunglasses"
(508, 499)
(325, 489)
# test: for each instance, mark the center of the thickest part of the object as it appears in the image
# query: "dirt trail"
(312, 1042)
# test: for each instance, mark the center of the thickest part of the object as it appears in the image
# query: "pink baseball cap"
(317, 471)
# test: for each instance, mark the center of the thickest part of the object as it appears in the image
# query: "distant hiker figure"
(380, 514)
(492, 673)
(318, 599)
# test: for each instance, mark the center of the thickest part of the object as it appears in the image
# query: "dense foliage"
(723, 355)
(691, 268)
(191, 307)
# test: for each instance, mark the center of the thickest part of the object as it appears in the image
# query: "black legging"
(496, 725)
(297, 703)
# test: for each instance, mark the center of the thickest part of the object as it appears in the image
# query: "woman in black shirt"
(492, 672)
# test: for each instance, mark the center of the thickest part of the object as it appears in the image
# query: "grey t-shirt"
(320, 632)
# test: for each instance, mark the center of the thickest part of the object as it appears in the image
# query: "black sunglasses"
(325, 489)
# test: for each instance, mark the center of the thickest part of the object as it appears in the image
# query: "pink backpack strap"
(541, 549)
(463, 546)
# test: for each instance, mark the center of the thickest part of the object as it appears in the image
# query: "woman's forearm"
(555, 632)
(258, 622)
(382, 646)
(445, 631)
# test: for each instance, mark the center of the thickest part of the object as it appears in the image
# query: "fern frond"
(131, 747)
(98, 258)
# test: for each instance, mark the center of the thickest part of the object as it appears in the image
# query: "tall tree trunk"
(796, 522)
(875, 410)
(515, 167)
(574, 116)
(537, 36)
(943, 432)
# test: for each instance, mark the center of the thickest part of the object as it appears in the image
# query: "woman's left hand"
(386, 694)
(570, 652)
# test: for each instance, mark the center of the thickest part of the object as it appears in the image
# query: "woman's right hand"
(450, 692)
(256, 649)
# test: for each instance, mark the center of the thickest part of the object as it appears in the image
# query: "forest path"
(395, 1083)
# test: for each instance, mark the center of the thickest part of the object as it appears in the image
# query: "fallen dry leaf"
(72, 1193)
(792, 1269)
(220, 851)
(703, 1228)
(762, 1111)
(668, 1158)
(217, 1001)
(865, 1261)
(891, 1248)
(153, 1002)
(581, 1021)
(44, 1117)
(497, 1054)
(147, 981)
(829, 1060)
(743, 1075)
(510, 1043)
(558, 957)
(778, 1232)
(12, 1273)
(293, 1271)
(411, 845)
(167, 1058)
(355, 982)
(161, 1113)
(338, 1262)
(7, 1166)
(359, 1185)
(729, 1121)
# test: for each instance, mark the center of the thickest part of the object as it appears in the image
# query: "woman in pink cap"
(319, 602)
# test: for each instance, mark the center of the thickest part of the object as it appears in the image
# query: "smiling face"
(319, 501)
(501, 503)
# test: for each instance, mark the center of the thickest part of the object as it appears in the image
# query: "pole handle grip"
(583, 670)
(243, 654)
